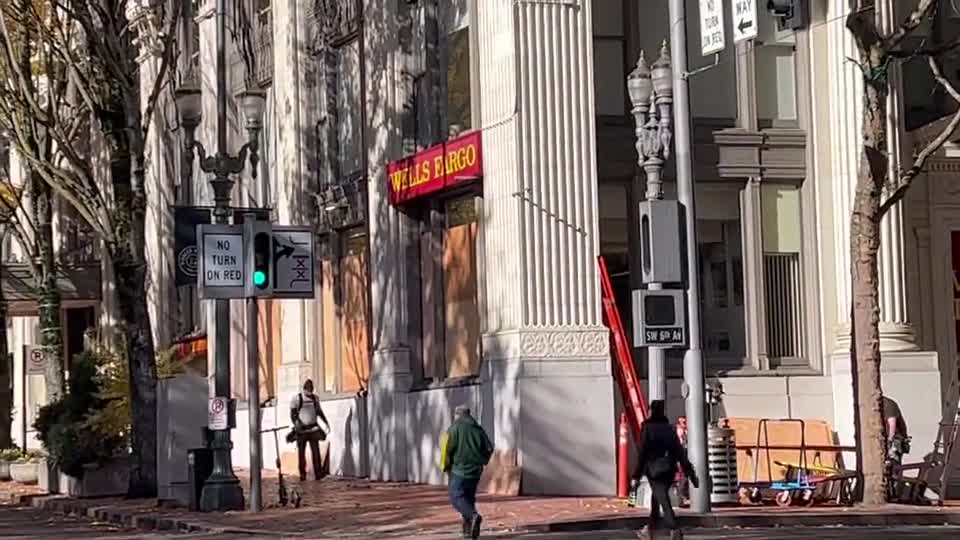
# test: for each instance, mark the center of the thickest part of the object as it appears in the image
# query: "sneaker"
(676, 534)
(475, 526)
(466, 528)
(646, 533)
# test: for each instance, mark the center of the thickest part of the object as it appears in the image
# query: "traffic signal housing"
(258, 241)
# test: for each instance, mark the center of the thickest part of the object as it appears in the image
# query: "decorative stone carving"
(564, 343)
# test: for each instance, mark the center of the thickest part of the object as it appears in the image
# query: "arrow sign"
(293, 270)
(745, 17)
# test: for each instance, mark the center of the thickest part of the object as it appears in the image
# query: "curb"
(756, 521)
(145, 522)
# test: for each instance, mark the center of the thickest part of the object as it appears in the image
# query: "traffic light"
(258, 239)
(790, 14)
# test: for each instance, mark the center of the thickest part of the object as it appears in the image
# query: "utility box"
(199, 467)
(660, 242)
(659, 318)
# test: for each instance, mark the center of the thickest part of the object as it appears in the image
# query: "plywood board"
(502, 475)
(780, 433)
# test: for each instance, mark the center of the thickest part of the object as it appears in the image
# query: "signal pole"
(694, 391)
(253, 365)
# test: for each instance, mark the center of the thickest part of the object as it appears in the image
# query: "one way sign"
(293, 262)
(744, 20)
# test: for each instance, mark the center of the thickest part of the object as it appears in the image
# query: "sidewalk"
(345, 508)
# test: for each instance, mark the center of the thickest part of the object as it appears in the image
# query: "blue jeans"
(463, 495)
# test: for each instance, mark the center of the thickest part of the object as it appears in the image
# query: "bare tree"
(877, 190)
(28, 70)
(98, 47)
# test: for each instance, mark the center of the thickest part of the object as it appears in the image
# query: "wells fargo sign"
(452, 163)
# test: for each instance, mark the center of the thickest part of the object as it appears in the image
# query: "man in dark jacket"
(659, 453)
(467, 451)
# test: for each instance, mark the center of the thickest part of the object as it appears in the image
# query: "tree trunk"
(864, 245)
(6, 368)
(48, 292)
(128, 257)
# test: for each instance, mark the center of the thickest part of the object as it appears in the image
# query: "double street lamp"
(222, 490)
(651, 94)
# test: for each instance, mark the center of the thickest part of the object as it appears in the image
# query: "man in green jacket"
(466, 451)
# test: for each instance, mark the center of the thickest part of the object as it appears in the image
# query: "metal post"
(656, 356)
(222, 491)
(253, 385)
(693, 358)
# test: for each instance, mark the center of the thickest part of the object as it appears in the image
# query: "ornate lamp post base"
(221, 495)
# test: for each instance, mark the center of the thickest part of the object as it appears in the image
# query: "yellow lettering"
(396, 178)
(438, 166)
(956, 283)
(425, 172)
(471, 155)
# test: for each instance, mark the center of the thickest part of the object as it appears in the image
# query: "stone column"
(754, 301)
(293, 182)
(545, 347)
(390, 373)
(161, 151)
(846, 111)
(896, 332)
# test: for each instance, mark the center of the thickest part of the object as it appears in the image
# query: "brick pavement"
(348, 508)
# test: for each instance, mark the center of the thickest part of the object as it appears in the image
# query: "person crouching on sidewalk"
(465, 450)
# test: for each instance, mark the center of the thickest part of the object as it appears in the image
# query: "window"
(776, 72)
(263, 40)
(438, 71)
(462, 315)
(782, 243)
(348, 114)
(450, 303)
(721, 279)
(344, 315)
(609, 43)
(457, 67)
(194, 30)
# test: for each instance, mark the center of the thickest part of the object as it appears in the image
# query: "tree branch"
(924, 10)
(906, 177)
(166, 61)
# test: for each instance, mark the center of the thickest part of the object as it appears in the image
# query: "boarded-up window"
(268, 344)
(355, 351)
(461, 314)
(328, 318)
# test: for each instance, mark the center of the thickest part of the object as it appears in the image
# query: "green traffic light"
(259, 278)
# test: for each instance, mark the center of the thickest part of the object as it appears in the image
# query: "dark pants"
(463, 496)
(661, 512)
(313, 438)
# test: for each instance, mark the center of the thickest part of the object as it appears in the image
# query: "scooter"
(293, 497)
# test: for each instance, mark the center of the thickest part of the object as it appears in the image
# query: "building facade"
(483, 288)
(473, 279)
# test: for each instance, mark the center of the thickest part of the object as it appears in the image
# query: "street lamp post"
(222, 490)
(651, 93)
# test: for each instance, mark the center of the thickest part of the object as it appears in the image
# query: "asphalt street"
(17, 523)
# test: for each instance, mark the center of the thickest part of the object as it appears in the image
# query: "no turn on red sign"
(217, 415)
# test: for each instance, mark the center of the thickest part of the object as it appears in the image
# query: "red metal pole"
(623, 458)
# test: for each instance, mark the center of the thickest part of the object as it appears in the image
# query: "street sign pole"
(253, 374)
(693, 383)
